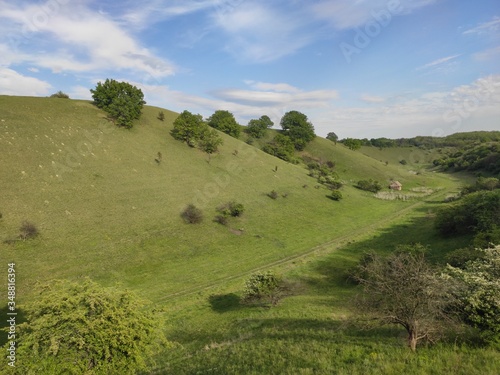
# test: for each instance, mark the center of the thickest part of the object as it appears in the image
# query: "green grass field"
(107, 210)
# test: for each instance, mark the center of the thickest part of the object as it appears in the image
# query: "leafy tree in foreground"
(298, 128)
(258, 128)
(86, 329)
(403, 289)
(480, 295)
(225, 122)
(122, 101)
(209, 141)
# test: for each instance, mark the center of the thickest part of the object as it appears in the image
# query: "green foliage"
(323, 172)
(161, 116)
(188, 128)
(403, 289)
(460, 257)
(263, 287)
(403, 162)
(232, 208)
(281, 146)
(298, 128)
(192, 214)
(332, 137)
(476, 213)
(60, 94)
(209, 141)
(83, 328)
(28, 230)
(482, 183)
(258, 128)
(480, 294)
(352, 144)
(225, 122)
(221, 219)
(369, 185)
(122, 101)
(473, 157)
(336, 195)
(192, 129)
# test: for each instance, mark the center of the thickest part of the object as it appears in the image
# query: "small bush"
(273, 194)
(403, 162)
(369, 185)
(60, 94)
(231, 209)
(192, 215)
(263, 287)
(221, 219)
(336, 195)
(161, 116)
(28, 230)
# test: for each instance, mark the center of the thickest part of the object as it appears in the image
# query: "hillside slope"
(106, 209)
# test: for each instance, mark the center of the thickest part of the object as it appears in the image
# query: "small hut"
(395, 185)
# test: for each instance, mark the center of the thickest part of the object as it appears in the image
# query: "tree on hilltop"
(298, 128)
(122, 101)
(258, 128)
(225, 122)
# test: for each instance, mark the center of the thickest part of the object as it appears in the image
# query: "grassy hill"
(106, 209)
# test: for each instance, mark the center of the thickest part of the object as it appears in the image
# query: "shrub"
(263, 287)
(28, 230)
(221, 219)
(161, 116)
(60, 94)
(192, 214)
(369, 185)
(273, 194)
(231, 209)
(403, 162)
(336, 195)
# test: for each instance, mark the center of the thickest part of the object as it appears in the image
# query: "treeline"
(428, 142)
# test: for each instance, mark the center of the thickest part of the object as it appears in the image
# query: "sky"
(359, 68)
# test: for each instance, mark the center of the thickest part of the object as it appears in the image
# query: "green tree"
(209, 141)
(122, 101)
(404, 289)
(263, 287)
(352, 144)
(480, 293)
(281, 146)
(258, 128)
(298, 128)
(332, 137)
(83, 328)
(225, 122)
(188, 128)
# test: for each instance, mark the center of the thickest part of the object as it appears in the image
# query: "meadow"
(105, 209)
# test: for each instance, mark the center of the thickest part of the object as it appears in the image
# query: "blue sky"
(372, 68)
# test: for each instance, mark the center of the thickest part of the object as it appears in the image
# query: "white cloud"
(13, 83)
(372, 99)
(492, 26)
(437, 62)
(256, 32)
(348, 14)
(475, 106)
(86, 41)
